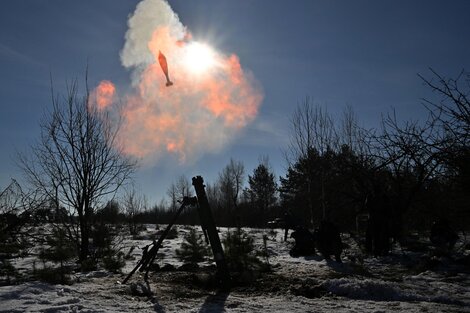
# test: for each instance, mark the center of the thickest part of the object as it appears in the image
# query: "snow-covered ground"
(308, 284)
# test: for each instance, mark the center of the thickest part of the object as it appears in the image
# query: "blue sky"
(365, 54)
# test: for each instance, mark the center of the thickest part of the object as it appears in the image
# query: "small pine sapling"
(239, 250)
(60, 249)
(103, 241)
(193, 248)
(173, 233)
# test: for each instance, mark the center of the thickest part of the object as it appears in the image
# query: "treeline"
(232, 203)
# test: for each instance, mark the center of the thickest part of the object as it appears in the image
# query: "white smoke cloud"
(147, 17)
(201, 113)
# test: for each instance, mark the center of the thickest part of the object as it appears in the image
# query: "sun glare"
(199, 57)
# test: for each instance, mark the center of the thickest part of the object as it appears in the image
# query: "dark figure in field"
(290, 222)
(304, 243)
(378, 233)
(378, 236)
(329, 240)
(442, 235)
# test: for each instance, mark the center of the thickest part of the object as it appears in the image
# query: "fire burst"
(211, 100)
(104, 94)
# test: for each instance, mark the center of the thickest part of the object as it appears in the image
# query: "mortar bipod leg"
(158, 244)
(147, 259)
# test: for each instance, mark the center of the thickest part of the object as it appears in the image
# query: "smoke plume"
(211, 100)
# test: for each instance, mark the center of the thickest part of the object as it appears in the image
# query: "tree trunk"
(83, 219)
(84, 241)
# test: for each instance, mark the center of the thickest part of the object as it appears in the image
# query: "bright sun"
(199, 57)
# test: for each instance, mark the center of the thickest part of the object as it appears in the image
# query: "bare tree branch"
(77, 161)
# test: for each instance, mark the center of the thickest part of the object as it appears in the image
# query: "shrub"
(104, 249)
(239, 250)
(193, 248)
(173, 233)
(52, 276)
(8, 271)
(136, 230)
(102, 240)
(88, 265)
(59, 250)
(114, 262)
(9, 248)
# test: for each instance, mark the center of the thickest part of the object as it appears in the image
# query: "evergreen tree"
(193, 248)
(331, 185)
(262, 191)
(239, 250)
(104, 248)
(60, 250)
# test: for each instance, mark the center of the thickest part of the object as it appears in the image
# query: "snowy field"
(403, 281)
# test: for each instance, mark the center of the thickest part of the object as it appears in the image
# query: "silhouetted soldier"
(328, 240)
(304, 242)
(378, 227)
(290, 222)
(442, 235)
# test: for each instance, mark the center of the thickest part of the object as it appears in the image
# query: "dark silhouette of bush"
(59, 250)
(7, 272)
(114, 262)
(239, 250)
(104, 248)
(193, 249)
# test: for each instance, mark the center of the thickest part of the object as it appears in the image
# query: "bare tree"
(77, 160)
(10, 199)
(451, 113)
(351, 134)
(213, 195)
(315, 139)
(172, 193)
(230, 183)
(134, 204)
(312, 128)
(313, 131)
(183, 187)
(453, 110)
(409, 151)
(17, 209)
(177, 191)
